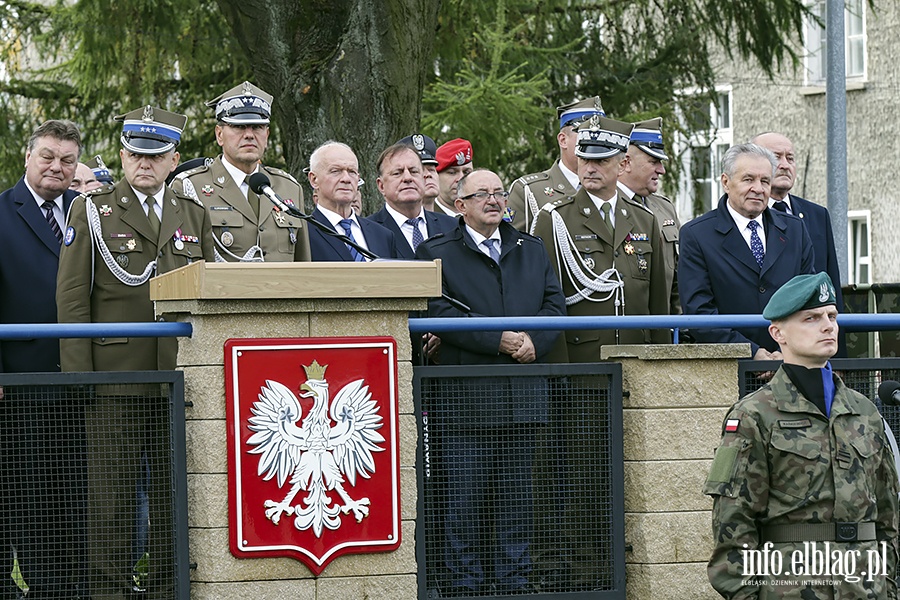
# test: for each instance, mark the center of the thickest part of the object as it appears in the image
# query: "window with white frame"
(860, 247)
(854, 41)
(699, 186)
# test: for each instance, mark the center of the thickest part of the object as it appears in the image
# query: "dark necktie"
(780, 205)
(417, 234)
(252, 198)
(345, 224)
(606, 209)
(48, 213)
(492, 249)
(151, 216)
(756, 244)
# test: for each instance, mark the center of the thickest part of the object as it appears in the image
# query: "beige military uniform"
(238, 233)
(634, 251)
(89, 292)
(545, 186)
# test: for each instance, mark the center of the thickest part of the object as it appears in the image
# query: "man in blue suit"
(735, 257)
(334, 175)
(37, 505)
(401, 182)
(815, 217)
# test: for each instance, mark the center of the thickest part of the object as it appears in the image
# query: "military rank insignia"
(642, 264)
(669, 223)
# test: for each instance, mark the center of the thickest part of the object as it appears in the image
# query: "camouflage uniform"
(781, 462)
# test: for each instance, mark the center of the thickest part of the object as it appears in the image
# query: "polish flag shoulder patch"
(731, 425)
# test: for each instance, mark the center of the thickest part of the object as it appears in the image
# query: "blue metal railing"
(848, 322)
(30, 331)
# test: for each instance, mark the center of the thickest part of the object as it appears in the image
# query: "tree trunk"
(345, 70)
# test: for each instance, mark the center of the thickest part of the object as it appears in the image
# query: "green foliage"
(637, 55)
(501, 68)
(107, 58)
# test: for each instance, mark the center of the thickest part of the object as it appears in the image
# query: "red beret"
(455, 152)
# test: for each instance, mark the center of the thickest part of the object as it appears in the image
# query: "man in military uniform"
(246, 228)
(639, 180)
(804, 465)
(454, 162)
(609, 248)
(116, 239)
(527, 194)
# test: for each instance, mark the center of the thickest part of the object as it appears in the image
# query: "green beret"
(800, 293)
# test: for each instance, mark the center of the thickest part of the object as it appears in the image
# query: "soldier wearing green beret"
(246, 228)
(528, 193)
(804, 467)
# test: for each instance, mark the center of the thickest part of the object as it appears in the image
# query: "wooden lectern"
(285, 300)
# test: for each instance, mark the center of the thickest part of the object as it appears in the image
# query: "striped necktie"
(48, 214)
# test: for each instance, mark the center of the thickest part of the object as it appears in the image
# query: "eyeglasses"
(486, 195)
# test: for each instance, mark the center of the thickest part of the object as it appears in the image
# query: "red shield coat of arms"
(313, 462)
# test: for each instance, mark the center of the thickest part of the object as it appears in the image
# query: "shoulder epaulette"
(194, 171)
(280, 173)
(183, 196)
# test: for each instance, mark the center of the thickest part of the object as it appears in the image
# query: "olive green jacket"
(781, 462)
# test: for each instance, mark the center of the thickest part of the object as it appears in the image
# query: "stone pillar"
(218, 574)
(676, 398)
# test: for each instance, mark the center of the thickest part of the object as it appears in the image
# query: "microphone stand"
(293, 210)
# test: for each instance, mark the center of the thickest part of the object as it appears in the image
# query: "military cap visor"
(244, 104)
(99, 169)
(803, 292)
(424, 146)
(602, 138)
(575, 113)
(151, 130)
(649, 141)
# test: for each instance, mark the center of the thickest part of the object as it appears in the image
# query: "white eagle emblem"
(318, 454)
(824, 292)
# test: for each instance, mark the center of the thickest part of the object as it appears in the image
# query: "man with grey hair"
(334, 176)
(736, 256)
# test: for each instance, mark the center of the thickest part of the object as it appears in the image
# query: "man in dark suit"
(815, 217)
(401, 182)
(490, 426)
(36, 429)
(334, 175)
(735, 257)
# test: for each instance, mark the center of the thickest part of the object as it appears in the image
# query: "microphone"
(259, 183)
(889, 393)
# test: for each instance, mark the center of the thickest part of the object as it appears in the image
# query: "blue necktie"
(346, 223)
(756, 246)
(492, 249)
(417, 234)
